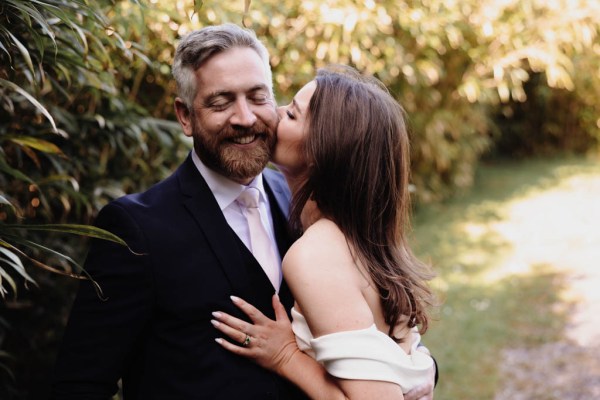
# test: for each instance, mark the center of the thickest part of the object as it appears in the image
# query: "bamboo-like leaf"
(59, 178)
(23, 51)
(14, 210)
(5, 354)
(40, 45)
(38, 144)
(6, 51)
(83, 230)
(4, 200)
(4, 167)
(49, 268)
(34, 13)
(8, 371)
(31, 154)
(31, 99)
(5, 276)
(198, 5)
(245, 14)
(15, 263)
(83, 39)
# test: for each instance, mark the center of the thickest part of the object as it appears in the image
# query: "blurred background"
(503, 102)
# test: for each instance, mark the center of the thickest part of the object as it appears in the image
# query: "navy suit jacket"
(152, 329)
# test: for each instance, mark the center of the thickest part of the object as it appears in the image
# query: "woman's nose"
(280, 111)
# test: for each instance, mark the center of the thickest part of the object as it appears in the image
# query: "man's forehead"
(238, 70)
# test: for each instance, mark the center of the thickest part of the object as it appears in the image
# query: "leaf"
(245, 14)
(37, 263)
(15, 262)
(198, 6)
(23, 51)
(4, 275)
(6, 51)
(31, 154)
(14, 172)
(11, 207)
(31, 99)
(35, 143)
(83, 230)
(4, 200)
(8, 371)
(32, 12)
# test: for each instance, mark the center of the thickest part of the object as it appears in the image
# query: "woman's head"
(346, 136)
(355, 150)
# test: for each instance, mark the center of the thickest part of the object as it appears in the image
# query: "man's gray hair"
(198, 46)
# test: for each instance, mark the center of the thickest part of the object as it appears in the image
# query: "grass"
(499, 284)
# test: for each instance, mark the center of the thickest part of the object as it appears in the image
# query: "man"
(189, 243)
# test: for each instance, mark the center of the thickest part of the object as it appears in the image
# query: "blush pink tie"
(262, 247)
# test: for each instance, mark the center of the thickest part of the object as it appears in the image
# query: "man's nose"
(243, 114)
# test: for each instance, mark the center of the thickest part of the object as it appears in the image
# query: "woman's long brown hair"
(357, 151)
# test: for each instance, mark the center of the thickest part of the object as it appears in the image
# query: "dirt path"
(558, 226)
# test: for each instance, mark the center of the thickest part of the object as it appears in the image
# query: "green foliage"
(72, 137)
(71, 134)
(454, 66)
(86, 99)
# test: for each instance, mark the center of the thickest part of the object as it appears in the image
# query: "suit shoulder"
(275, 179)
(154, 195)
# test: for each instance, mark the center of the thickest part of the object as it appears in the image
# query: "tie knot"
(249, 197)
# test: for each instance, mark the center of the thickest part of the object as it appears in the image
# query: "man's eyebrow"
(259, 87)
(295, 105)
(229, 94)
(219, 93)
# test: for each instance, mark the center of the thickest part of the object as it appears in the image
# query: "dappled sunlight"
(516, 259)
(559, 226)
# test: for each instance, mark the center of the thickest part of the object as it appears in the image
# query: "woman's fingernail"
(219, 340)
(215, 323)
(217, 314)
(234, 299)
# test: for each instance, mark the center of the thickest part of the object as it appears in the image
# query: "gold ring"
(246, 341)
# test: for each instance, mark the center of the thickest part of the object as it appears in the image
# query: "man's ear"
(184, 116)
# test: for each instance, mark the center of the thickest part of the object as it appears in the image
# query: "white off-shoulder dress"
(364, 354)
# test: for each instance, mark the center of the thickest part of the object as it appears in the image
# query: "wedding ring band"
(246, 341)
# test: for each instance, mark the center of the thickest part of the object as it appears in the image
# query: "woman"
(360, 293)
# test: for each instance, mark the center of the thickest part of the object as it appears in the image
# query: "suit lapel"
(202, 205)
(279, 199)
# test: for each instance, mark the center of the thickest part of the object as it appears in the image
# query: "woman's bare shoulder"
(325, 282)
(321, 249)
(322, 240)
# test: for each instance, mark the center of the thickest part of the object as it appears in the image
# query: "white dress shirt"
(226, 192)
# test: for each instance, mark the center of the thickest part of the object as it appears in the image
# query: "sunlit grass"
(503, 253)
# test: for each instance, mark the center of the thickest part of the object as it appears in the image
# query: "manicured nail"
(235, 299)
(215, 323)
(219, 340)
(217, 314)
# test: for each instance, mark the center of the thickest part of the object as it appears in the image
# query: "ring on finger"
(246, 341)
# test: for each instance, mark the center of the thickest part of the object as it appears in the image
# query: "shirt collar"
(224, 189)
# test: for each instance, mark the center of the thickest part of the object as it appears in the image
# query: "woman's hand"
(271, 344)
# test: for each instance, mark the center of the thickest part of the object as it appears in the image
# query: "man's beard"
(223, 156)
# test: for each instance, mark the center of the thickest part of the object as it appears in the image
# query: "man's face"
(233, 119)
